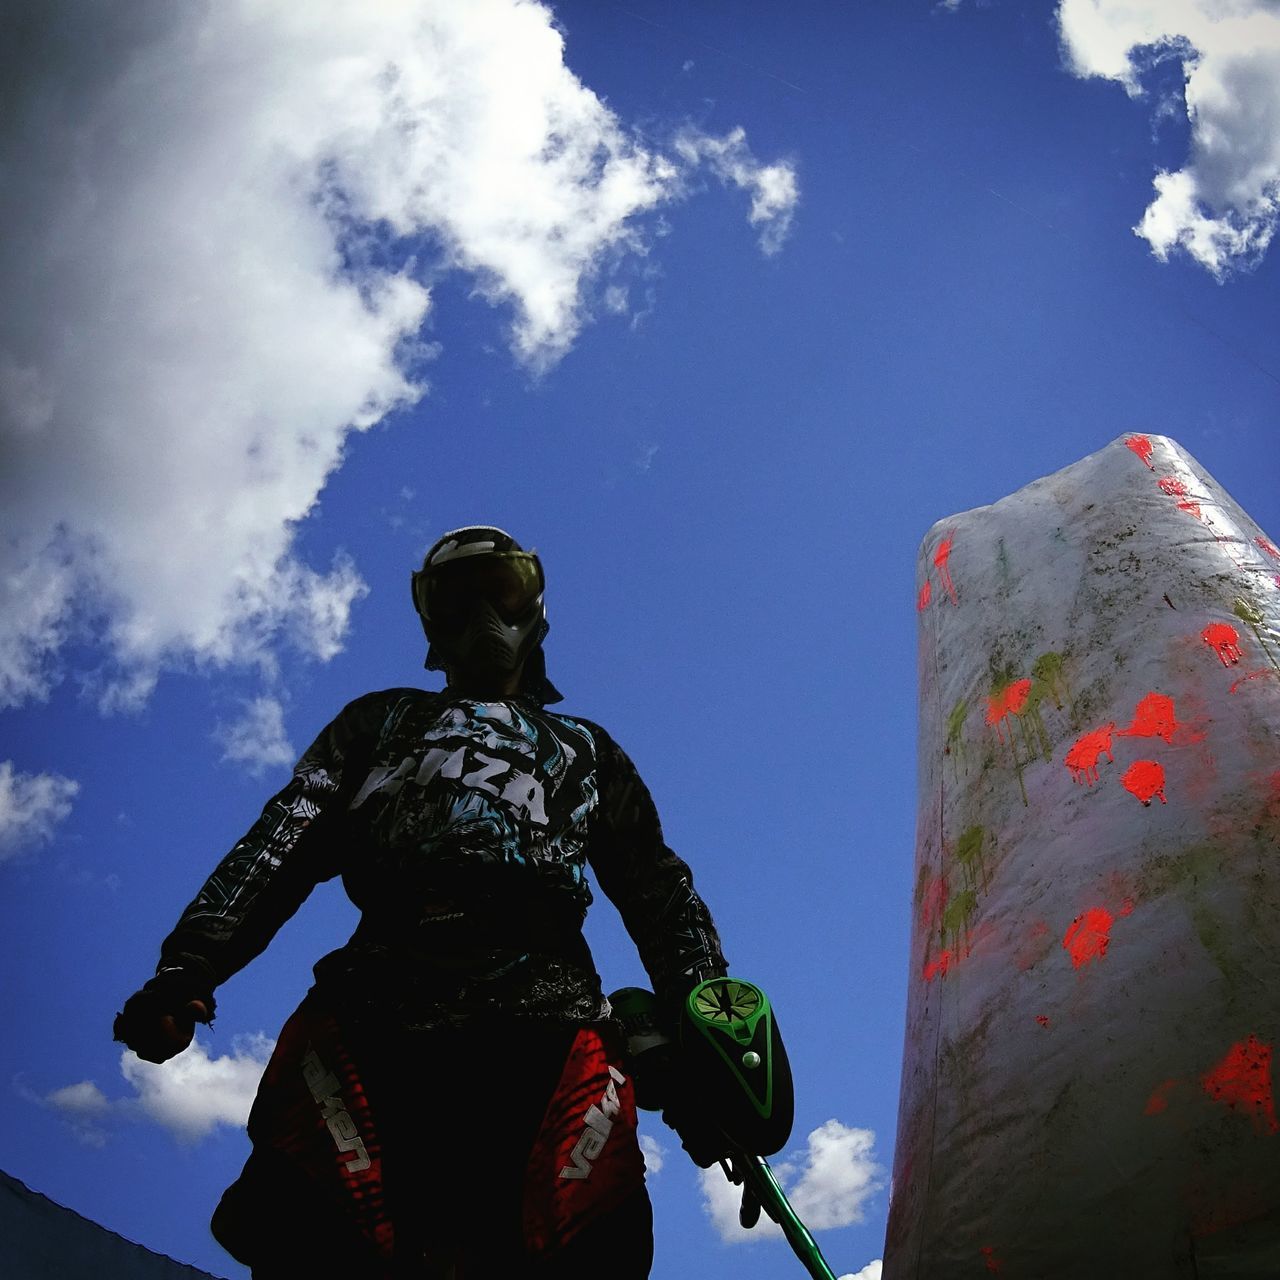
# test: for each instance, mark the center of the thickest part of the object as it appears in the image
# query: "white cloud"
(189, 1095)
(834, 1177)
(827, 1185)
(257, 739)
(870, 1272)
(772, 187)
(222, 223)
(654, 1153)
(36, 583)
(1222, 206)
(84, 1106)
(192, 1094)
(31, 806)
(84, 1098)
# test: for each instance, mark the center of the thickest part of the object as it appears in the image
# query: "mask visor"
(511, 582)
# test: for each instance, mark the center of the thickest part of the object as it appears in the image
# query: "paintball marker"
(729, 1051)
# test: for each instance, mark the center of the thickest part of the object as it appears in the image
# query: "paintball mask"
(479, 596)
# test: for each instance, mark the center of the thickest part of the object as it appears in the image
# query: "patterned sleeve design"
(651, 886)
(268, 874)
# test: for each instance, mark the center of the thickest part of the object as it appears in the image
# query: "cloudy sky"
(719, 305)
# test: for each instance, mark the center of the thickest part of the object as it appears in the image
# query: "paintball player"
(450, 1099)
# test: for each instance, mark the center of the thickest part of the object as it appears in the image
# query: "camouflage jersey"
(462, 830)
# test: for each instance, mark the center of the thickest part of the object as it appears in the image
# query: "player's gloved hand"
(159, 1021)
(699, 1135)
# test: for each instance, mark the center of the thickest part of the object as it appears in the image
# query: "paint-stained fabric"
(1094, 999)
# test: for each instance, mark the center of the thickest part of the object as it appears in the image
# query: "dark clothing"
(495, 1151)
(463, 830)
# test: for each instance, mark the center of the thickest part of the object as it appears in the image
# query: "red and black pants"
(487, 1151)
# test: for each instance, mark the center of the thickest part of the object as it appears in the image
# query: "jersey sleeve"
(268, 873)
(651, 886)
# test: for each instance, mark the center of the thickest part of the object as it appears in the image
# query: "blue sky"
(726, 439)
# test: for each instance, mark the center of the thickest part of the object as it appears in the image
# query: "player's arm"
(649, 883)
(652, 887)
(260, 883)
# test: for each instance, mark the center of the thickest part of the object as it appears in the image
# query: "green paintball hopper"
(731, 1043)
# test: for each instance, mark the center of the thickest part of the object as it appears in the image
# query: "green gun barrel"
(761, 1189)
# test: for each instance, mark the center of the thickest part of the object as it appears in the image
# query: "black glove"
(700, 1136)
(158, 1021)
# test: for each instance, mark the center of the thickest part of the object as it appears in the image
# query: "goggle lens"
(510, 583)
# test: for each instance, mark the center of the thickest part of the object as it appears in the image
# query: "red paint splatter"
(1153, 718)
(1243, 1080)
(941, 557)
(1008, 701)
(1159, 1100)
(1269, 547)
(1042, 1020)
(1253, 675)
(1175, 488)
(1145, 778)
(939, 966)
(1142, 447)
(1126, 907)
(1087, 936)
(934, 903)
(926, 594)
(988, 1252)
(1082, 759)
(1224, 640)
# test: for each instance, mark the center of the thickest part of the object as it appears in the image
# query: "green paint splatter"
(1246, 611)
(955, 727)
(1002, 676)
(1034, 735)
(1047, 672)
(1031, 739)
(1047, 681)
(1252, 617)
(969, 856)
(958, 916)
(1030, 726)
